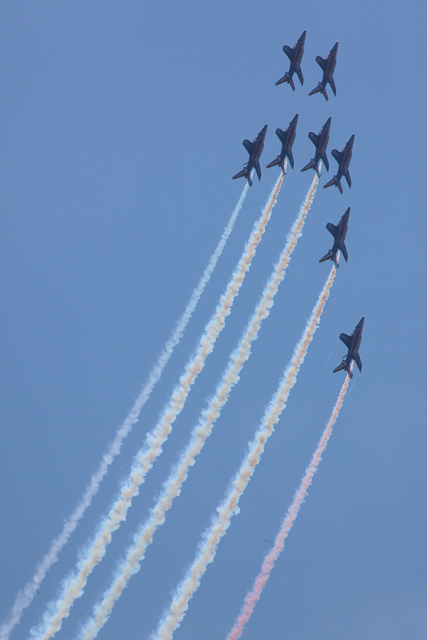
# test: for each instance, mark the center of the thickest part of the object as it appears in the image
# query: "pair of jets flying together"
(328, 67)
(287, 139)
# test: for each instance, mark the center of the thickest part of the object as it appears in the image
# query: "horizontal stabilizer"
(241, 174)
(358, 362)
(321, 62)
(344, 252)
(300, 76)
(346, 339)
(275, 163)
(286, 78)
(333, 182)
(342, 367)
(319, 89)
(249, 146)
(329, 256)
(290, 52)
(333, 229)
(310, 165)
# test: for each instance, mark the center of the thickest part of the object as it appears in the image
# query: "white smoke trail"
(268, 564)
(27, 594)
(206, 553)
(145, 458)
(201, 432)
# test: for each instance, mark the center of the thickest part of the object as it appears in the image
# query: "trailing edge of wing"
(332, 229)
(338, 155)
(249, 146)
(346, 339)
(315, 138)
(290, 52)
(321, 62)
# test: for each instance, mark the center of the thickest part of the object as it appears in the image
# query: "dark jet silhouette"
(343, 158)
(352, 343)
(339, 232)
(254, 149)
(320, 141)
(295, 56)
(328, 68)
(287, 138)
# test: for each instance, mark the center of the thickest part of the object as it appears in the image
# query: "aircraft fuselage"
(357, 338)
(259, 145)
(343, 227)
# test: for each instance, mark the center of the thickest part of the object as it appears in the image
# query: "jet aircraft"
(352, 343)
(339, 232)
(328, 68)
(320, 141)
(287, 138)
(343, 158)
(295, 56)
(254, 149)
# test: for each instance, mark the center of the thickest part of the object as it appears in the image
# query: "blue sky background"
(121, 127)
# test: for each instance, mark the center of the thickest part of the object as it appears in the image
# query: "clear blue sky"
(121, 127)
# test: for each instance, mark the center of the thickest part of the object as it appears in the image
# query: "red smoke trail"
(268, 564)
(230, 505)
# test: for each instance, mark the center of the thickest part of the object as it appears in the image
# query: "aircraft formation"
(320, 141)
(74, 584)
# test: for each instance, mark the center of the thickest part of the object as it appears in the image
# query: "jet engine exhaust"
(172, 487)
(229, 506)
(73, 587)
(27, 594)
(254, 594)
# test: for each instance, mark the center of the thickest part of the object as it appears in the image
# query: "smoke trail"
(229, 506)
(26, 595)
(154, 440)
(172, 487)
(268, 564)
